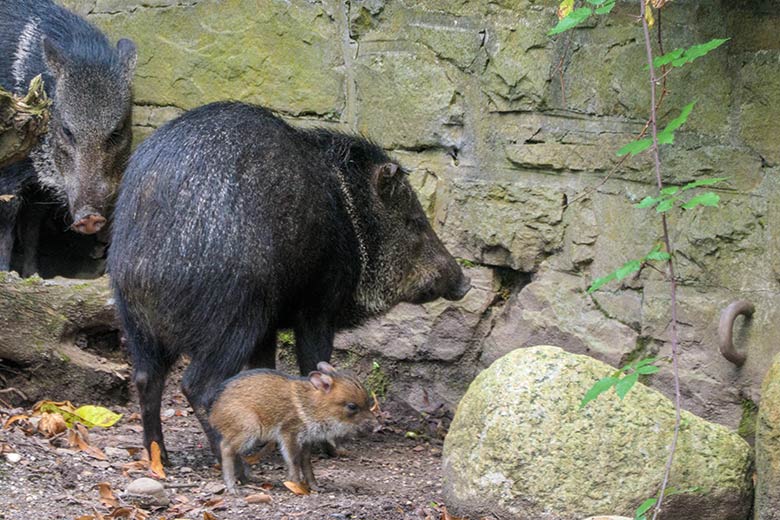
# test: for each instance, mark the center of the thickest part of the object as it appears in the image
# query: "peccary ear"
(128, 54)
(385, 177)
(54, 56)
(325, 367)
(321, 381)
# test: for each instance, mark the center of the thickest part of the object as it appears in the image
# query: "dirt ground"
(388, 475)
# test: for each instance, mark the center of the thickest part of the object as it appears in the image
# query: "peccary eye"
(68, 135)
(351, 407)
(115, 137)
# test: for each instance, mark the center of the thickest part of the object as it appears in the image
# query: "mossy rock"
(521, 447)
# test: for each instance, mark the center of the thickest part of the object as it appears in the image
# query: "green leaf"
(628, 268)
(646, 361)
(667, 58)
(601, 386)
(644, 507)
(703, 182)
(647, 370)
(660, 256)
(704, 199)
(599, 282)
(635, 147)
(92, 416)
(647, 202)
(670, 190)
(623, 386)
(573, 19)
(666, 136)
(606, 8)
(680, 57)
(665, 205)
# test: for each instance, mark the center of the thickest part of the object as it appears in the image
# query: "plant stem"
(670, 263)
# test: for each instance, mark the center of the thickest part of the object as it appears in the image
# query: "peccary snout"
(90, 223)
(459, 290)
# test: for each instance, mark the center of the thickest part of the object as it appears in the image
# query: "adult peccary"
(231, 224)
(81, 158)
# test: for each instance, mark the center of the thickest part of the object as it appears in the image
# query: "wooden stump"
(22, 121)
(59, 340)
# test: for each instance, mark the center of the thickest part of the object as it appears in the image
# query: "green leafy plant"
(622, 380)
(667, 199)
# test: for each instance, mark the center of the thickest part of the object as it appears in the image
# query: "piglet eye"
(352, 407)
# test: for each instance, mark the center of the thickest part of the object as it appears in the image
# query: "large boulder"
(521, 447)
(768, 447)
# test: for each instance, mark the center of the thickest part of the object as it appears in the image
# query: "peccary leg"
(150, 387)
(228, 457)
(313, 342)
(210, 366)
(8, 213)
(150, 366)
(264, 355)
(33, 219)
(293, 455)
(308, 472)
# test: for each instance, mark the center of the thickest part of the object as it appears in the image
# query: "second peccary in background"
(259, 406)
(81, 158)
(231, 224)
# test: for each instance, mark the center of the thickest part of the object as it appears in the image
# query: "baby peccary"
(258, 406)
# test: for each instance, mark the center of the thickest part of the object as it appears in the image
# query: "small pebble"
(146, 491)
(13, 458)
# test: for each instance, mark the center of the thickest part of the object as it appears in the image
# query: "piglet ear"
(325, 367)
(322, 382)
(128, 54)
(54, 56)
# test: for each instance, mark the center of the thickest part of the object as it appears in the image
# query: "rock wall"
(512, 167)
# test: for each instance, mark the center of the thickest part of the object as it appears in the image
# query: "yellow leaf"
(155, 461)
(565, 9)
(97, 416)
(649, 14)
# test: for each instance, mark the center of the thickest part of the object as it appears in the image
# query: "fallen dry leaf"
(107, 497)
(76, 439)
(445, 515)
(299, 488)
(155, 461)
(258, 498)
(131, 513)
(214, 503)
(134, 450)
(135, 466)
(51, 424)
(267, 486)
(14, 418)
(209, 516)
(7, 197)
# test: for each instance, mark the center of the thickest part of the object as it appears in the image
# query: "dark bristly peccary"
(81, 158)
(231, 224)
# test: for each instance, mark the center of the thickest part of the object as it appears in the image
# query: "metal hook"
(726, 326)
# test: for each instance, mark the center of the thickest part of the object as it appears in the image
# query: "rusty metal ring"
(726, 326)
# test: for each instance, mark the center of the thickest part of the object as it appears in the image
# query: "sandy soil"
(384, 476)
